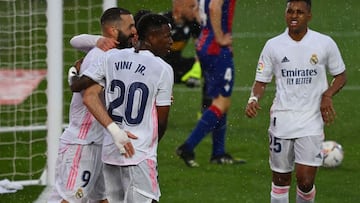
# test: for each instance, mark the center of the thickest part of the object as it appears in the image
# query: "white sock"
(279, 194)
(302, 197)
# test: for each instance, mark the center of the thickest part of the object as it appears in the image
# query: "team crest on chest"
(314, 59)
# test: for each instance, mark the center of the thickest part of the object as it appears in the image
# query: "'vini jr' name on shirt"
(126, 65)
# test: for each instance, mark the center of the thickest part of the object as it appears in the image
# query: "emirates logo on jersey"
(314, 59)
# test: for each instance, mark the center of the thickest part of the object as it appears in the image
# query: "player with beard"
(138, 86)
(118, 38)
(79, 176)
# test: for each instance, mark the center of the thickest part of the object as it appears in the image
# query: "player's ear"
(111, 30)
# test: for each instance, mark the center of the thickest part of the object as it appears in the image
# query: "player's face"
(162, 41)
(126, 31)
(297, 15)
(189, 10)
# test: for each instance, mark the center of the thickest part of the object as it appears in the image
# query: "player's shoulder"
(92, 56)
(95, 51)
(158, 61)
(114, 52)
(117, 50)
(315, 35)
(280, 37)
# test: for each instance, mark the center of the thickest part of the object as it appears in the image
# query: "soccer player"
(184, 19)
(79, 167)
(299, 60)
(138, 88)
(216, 58)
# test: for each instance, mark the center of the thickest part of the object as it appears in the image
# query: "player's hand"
(327, 109)
(121, 139)
(78, 63)
(225, 40)
(127, 145)
(251, 109)
(105, 43)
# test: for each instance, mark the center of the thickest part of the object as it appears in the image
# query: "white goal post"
(34, 37)
(54, 61)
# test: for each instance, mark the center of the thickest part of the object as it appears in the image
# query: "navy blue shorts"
(218, 73)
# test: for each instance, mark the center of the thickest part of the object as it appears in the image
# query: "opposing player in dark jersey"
(215, 54)
(184, 18)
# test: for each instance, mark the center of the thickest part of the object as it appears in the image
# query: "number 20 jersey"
(135, 83)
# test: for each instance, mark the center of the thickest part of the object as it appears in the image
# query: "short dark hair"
(140, 13)
(113, 14)
(308, 2)
(149, 22)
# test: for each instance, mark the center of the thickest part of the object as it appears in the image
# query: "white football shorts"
(79, 174)
(135, 183)
(284, 153)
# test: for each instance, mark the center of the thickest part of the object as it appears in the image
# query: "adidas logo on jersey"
(284, 60)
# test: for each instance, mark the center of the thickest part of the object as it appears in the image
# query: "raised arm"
(85, 42)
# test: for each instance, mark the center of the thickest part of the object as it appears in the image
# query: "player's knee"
(305, 186)
(281, 178)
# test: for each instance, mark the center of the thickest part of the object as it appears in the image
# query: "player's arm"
(257, 92)
(78, 83)
(326, 107)
(92, 100)
(163, 114)
(86, 42)
(223, 39)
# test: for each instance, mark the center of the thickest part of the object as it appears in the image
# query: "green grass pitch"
(254, 23)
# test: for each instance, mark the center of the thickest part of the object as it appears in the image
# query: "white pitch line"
(248, 88)
(247, 35)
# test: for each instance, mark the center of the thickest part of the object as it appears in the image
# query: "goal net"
(22, 89)
(27, 84)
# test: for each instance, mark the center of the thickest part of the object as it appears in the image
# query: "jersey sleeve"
(96, 69)
(335, 62)
(84, 42)
(264, 69)
(163, 98)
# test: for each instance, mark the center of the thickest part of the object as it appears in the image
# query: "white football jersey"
(83, 127)
(300, 69)
(135, 83)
